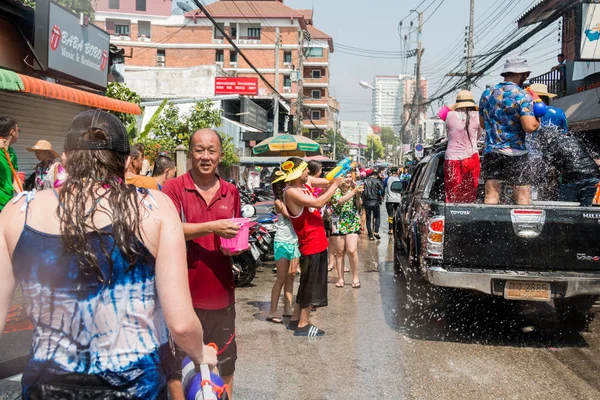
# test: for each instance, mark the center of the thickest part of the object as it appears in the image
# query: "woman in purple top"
(462, 167)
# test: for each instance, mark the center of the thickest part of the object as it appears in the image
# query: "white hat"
(516, 65)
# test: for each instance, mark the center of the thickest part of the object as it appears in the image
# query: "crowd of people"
(532, 153)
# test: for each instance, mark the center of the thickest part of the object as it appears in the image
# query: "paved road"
(466, 347)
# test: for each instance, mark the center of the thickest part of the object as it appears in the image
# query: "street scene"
(286, 199)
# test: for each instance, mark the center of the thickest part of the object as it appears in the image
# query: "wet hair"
(94, 175)
(6, 125)
(212, 130)
(277, 188)
(161, 165)
(314, 167)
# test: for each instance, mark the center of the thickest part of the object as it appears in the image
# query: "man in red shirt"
(206, 203)
(304, 210)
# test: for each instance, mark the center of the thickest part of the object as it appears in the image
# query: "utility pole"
(275, 95)
(300, 100)
(337, 124)
(470, 45)
(415, 138)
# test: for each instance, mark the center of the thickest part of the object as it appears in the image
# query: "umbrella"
(287, 145)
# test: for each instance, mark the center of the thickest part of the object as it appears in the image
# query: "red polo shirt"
(209, 271)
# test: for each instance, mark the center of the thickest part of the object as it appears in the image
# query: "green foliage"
(120, 91)
(374, 147)
(388, 136)
(172, 128)
(341, 145)
(152, 121)
(77, 6)
(154, 146)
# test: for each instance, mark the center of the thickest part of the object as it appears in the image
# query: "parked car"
(545, 252)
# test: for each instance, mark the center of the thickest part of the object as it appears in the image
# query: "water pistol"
(539, 108)
(342, 168)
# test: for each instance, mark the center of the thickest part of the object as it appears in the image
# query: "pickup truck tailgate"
(531, 238)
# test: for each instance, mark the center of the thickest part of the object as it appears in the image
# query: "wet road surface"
(466, 346)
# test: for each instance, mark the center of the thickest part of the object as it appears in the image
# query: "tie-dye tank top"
(114, 331)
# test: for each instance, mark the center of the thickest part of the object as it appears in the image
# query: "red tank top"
(310, 229)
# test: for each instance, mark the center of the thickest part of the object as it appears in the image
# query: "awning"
(15, 82)
(248, 128)
(583, 113)
(277, 161)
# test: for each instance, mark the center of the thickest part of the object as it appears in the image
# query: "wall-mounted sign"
(68, 48)
(230, 85)
(253, 115)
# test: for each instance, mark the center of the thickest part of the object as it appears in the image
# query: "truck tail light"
(435, 238)
(528, 224)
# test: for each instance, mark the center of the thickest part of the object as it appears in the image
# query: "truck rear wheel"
(574, 312)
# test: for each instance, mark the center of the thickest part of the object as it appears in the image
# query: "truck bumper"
(581, 284)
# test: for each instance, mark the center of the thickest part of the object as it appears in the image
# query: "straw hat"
(516, 65)
(541, 90)
(43, 145)
(464, 99)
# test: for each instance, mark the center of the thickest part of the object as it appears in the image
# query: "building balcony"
(309, 81)
(316, 103)
(555, 81)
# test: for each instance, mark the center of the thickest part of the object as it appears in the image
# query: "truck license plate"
(527, 290)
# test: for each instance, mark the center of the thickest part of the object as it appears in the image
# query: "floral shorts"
(286, 250)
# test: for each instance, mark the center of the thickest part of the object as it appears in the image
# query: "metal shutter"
(38, 118)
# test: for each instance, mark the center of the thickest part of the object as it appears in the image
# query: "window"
(287, 81)
(113, 4)
(234, 32)
(144, 29)
(122, 30)
(315, 52)
(254, 33)
(220, 56)
(140, 5)
(316, 74)
(315, 114)
(316, 94)
(233, 57)
(161, 58)
(287, 57)
(216, 33)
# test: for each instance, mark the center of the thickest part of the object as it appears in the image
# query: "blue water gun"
(539, 108)
(341, 169)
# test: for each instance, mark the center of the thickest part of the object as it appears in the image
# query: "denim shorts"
(286, 250)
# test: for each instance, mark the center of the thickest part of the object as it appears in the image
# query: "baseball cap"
(116, 134)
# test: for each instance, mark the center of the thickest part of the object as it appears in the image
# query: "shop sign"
(231, 85)
(69, 48)
(253, 115)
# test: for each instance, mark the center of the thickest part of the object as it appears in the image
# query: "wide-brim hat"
(464, 99)
(43, 145)
(541, 90)
(516, 65)
(294, 167)
(278, 176)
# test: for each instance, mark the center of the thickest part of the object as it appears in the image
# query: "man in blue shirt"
(506, 111)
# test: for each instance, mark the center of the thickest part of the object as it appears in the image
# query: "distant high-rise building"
(392, 100)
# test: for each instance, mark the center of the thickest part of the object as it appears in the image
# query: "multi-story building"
(393, 98)
(155, 36)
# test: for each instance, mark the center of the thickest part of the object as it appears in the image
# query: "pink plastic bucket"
(239, 241)
(443, 113)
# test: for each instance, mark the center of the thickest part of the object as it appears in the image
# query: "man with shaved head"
(206, 203)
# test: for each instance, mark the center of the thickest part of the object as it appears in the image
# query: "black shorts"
(219, 328)
(313, 281)
(513, 170)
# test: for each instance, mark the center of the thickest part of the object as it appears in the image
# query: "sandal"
(346, 269)
(340, 284)
(356, 285)
(275, 320)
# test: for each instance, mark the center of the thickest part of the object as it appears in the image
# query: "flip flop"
(340, 284)
(356, 285)
(346, 269)
(287, 315)
(275, 320)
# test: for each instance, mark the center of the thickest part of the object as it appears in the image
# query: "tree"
(375, 150)
(76, 6)
(120, 91)
(341, 145)
(388, 136)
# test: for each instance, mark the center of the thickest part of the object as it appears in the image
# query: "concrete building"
(155, 37)
(392, 99)
(356, 134)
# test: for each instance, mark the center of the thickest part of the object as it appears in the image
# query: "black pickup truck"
(545, 252)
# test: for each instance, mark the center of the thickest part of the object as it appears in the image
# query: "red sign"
(55, 38)
(228, 85)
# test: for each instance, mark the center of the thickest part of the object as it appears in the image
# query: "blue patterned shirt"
(501, 108)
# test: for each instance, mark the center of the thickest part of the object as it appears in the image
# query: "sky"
(374, 25)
